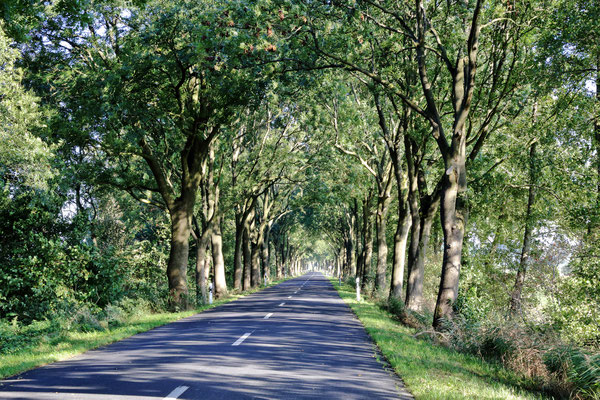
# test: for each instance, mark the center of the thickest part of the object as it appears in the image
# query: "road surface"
(296, 340)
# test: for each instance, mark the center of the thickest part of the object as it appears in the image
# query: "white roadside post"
(210, 288)
(357, 290)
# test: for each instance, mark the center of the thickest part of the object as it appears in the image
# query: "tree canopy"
(447, 154)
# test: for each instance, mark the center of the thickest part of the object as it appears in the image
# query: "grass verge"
(60, 345)
(430, 371)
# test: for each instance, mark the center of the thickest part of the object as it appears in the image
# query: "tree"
(24, 158)
(168, 78)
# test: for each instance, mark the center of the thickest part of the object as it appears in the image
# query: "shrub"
(113, 315)
(396, 307)
(575, 371)
(14, 336)
(85, 320)
(135, 306)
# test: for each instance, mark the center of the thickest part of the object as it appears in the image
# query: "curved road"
(296, 340)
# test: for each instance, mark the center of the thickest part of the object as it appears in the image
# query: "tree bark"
(238, 266)
(453, 217)
(218, 260)
(383, 203)
(178, 257)
(255, 261)
(247, 258)
(265, 253)
(515, 298)
(368, 247)
(352, 236)
(202, 243)
(594, 223)
(402, 227)
(414, 287)
(415, 229)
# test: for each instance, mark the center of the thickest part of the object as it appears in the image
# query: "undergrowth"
(429, 369)
(536, 354)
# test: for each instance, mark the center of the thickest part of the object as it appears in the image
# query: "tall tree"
(168, 78)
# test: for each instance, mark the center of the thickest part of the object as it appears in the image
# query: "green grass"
(431, 371)
(57, 346)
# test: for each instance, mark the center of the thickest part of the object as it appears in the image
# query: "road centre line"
(176, 393)
(281, 304)
(242, 338)
(268, 315)
(289, 297)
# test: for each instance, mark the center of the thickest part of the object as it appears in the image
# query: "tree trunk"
(368, 251)
(515, 299)
(265, 253)
(238, 266)
(453, 218)
(202, 243)
(414, 286)
(255, 261)
(353, 239)
(383, 203)
(404, 221)
(594, 223)
(400, 239)
(247, 258)
(415, 228)
(178, 257)
(218, 260)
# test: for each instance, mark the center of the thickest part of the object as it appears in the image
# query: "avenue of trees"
(446, 153)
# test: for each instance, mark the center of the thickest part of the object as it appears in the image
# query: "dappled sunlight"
(310, 347)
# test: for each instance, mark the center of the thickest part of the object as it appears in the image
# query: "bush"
(14, 336)
(113, 315)
(85, 320)
(575, 371)
(396, 307)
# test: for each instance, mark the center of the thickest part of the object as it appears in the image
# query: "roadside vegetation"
(430, 370)
(474, 359)
(26, 346)
(445, 153)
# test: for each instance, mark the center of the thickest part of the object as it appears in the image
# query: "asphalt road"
(296, 340)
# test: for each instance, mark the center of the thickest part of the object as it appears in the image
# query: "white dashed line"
(281, 304)
(241, 339)
(268, 315)
(289, 297)
(176, 393)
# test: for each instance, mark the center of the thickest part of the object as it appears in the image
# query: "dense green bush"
(32, 263)
(51, 264)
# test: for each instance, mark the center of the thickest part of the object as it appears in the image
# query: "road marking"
(268, 315)
(295, 292)
(281, 304)
(241, 339)
(289, 297)
(176, 393)
(305, 282)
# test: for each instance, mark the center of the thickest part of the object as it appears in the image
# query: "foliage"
(431, 371)
(114, 112)
(24, 158)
